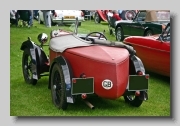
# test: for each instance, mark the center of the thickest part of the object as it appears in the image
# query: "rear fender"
(138, 65)
(39, 58)
(67, 71)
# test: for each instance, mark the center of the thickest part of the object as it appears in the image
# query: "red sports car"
(154, 51)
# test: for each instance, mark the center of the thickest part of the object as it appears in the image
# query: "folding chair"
(111, 24)
(88, 14)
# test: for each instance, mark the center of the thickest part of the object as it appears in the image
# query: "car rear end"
(67, 16)
(109, 69)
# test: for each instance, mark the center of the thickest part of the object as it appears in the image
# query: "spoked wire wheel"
(119, 34)
(129, 15)
(97, 18)
(27, 67)
(58, 88)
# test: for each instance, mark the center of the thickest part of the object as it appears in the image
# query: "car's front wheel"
(58, 87)
(133, 100)
(119, 34)
(148, 33)
(27, 66)
(97, 18)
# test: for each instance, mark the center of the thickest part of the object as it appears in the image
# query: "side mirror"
(42, 38)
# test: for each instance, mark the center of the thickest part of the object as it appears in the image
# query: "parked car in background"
(154, 51)
(88, 14)
(146, 23)
(100, 15)
(63, 16)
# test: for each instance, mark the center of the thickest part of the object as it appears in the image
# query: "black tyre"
(58, 88)
(119, 34)
(148, 33)
(97, 18)
(133, 100)
(27, 66)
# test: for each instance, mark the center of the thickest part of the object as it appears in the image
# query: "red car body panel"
(154, 54)
(102, 64)
(102, 14)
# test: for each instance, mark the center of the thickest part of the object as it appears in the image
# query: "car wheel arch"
(146, 30)
(60, 60)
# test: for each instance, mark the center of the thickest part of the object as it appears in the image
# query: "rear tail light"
(140, 73)
(147, 76)
(74, 81)
(137, 93)
(83, 96)
(83, 75)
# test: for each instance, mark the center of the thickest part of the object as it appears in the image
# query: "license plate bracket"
(82, 86)
(137, 82)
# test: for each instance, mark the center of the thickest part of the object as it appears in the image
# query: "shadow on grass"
(158, 76)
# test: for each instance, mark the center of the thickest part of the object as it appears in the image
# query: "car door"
(126, 27)
(137, 26)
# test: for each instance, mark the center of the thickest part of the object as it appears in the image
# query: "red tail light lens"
(83, 76)
(147, 76)
(140, 73)
(83, 96)
(74, 81)
(137, 93)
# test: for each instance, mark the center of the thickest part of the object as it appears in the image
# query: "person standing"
(47, 18)
(110, 13)
(120, 13)
(13, 16)
(116, 15)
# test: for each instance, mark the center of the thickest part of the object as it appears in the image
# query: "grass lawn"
(29, 100)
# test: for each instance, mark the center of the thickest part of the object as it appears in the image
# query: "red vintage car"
(154, 51)
(80, 65)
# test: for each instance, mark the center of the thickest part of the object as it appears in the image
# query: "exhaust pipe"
(89, 104)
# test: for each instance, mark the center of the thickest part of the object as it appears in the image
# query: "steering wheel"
(100, 34)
